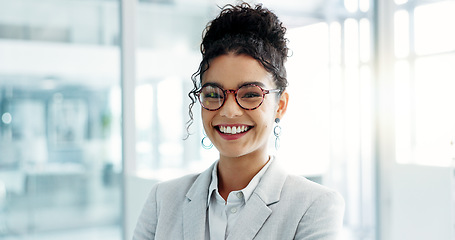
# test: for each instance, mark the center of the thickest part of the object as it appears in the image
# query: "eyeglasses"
(248, 97)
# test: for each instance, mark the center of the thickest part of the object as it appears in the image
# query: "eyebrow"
(260, 84)
(212, 84)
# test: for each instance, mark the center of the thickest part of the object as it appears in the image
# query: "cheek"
(269, 111)
(271, 102)
(206, 117)
(266, 120)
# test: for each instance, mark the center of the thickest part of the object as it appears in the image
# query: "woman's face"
(231, 71)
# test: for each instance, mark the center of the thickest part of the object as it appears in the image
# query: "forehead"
(232, 71)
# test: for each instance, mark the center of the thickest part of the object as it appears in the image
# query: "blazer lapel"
(257, 210)
(195, 209)
(251, 219)
(194, 213)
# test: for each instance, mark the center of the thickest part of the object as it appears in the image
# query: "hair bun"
(257, 23)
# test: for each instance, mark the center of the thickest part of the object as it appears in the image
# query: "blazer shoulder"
(175, 187)
(302, 188)
(321, 209)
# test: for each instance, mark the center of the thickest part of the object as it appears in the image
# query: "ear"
(282, 105)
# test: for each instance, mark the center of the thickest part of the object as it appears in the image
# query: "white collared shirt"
(221, 214)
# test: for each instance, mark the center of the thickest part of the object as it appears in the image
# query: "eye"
(251, 94)
(212, 95)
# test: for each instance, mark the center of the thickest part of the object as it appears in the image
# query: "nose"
(230, 107)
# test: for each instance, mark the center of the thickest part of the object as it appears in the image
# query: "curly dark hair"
(243, 29)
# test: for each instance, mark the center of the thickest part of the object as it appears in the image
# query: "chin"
(232, 153)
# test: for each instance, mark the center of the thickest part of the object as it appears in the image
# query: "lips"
(233, 129)
(232, 132)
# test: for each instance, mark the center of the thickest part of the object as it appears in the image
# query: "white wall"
(421, 205)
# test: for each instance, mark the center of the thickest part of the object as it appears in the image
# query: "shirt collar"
(213, 184)
(247, 191)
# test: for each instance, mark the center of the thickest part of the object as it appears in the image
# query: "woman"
(245, 194)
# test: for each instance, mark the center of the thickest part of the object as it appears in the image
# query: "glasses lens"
(211, 97)
(250, 96)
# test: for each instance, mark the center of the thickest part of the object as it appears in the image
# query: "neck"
(234, 173)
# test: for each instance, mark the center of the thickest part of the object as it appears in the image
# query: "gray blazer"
(281, 207)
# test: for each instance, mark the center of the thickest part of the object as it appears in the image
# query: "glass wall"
(330, 116)
(424, 74)
(167, 54)
(422, 148)
(60, 139)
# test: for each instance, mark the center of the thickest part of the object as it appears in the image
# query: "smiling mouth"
(232, 130)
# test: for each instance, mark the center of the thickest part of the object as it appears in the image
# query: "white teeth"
(233, 130)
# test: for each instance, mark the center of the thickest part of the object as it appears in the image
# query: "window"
(60, 142)
(415, 129)
(424, 50)
(330, 117)
(167, 55)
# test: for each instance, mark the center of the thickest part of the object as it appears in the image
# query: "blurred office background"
(85, 129)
